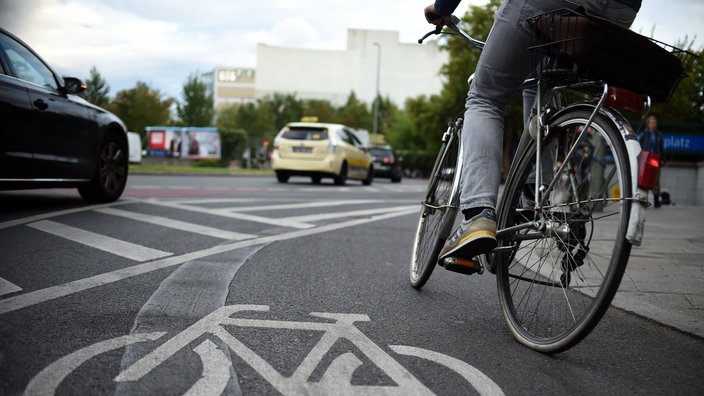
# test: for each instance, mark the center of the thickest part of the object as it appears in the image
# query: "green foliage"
(232, 143)
(197, 107)
(687, 101)
(354, 113)
(283, 109)
(141, 107)
(322, 109)
(97, 89)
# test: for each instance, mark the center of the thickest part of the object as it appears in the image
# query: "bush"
(233, 144)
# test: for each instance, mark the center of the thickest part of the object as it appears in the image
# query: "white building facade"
(404, 69)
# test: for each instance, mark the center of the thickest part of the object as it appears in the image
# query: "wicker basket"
(604, 51)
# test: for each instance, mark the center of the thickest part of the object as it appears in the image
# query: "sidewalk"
(664, 280)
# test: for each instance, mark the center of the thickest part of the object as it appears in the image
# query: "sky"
(163, 42)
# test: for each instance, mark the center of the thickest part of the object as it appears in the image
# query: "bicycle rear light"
(624, 100)
(649, 166)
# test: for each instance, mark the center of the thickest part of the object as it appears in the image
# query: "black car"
(386, 163)
(51, 137)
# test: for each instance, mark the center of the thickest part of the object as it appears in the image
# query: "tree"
(97, 89)
(322, 109)
(140, 107)
(355, 113)
(687, 101)
(256, 119)
(284, 108)
(387, 109)
(197, 108)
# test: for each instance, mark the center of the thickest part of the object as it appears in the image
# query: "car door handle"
(40, 104)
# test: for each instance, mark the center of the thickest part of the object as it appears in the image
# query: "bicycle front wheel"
(437, 213)
(557, 278)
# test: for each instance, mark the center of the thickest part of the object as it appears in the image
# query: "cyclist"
(503, 65)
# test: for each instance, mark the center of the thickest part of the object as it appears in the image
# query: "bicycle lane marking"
(39, 296)
(194, 290)
(46, 382)
(480, 381)
(216, 374)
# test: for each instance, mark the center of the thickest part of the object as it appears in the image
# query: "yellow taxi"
(318, 150)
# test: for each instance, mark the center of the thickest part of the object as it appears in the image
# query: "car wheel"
(370, 176)
(110, 175)
(282, 177)
(341, 179)
(315, 179)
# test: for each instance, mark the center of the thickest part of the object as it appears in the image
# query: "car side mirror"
(74, 85)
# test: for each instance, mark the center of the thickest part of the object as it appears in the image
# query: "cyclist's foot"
(473, 237)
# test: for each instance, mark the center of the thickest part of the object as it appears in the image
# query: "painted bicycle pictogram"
(337, 377)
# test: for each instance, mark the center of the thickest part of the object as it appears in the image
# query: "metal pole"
(376, 98)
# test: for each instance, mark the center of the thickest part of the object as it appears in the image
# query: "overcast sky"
(161, 42)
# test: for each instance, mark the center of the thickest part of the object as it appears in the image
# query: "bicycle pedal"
(463, 266)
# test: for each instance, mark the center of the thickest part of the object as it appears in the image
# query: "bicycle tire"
(437, 213)
(554, 289)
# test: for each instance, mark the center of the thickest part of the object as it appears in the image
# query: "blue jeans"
(503, 65)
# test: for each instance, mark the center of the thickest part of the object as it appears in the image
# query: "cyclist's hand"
(433, 17)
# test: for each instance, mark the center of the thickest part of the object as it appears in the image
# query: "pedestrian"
(503, 65)
(651, 140)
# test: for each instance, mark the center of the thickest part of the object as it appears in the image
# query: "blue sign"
(688, 143)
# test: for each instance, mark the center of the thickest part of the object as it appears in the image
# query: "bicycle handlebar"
(453, 25)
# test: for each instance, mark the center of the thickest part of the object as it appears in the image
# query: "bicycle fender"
(636, 220)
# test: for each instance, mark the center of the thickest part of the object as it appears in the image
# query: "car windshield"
(379, 152)
(300, 133)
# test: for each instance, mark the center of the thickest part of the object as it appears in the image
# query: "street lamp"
(376, 98)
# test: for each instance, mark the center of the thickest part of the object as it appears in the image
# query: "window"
(306, 134)
(26, 65)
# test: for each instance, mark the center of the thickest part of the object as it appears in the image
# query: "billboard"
(184, 142)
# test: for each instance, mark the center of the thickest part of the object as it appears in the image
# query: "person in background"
(503, 65)
(651, 140)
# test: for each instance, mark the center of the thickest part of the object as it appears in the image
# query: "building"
(403, 70)
(230, 85)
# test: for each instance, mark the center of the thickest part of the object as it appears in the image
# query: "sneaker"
(473, 237)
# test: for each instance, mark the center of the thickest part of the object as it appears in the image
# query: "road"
(241, 285)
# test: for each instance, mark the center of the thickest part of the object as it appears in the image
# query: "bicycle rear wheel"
(557, 279)
(437, 213)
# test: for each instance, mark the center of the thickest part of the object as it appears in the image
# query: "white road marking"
(7, 287)
(211, 200)
(353, 213)
(111, 245)
(54, 292)
(49, 379)
(303, 205)
(216, 371)
(227, 213)
(480, 381)
(43, 216)
(176, 224)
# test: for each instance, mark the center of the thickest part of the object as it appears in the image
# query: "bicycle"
(574, 198)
